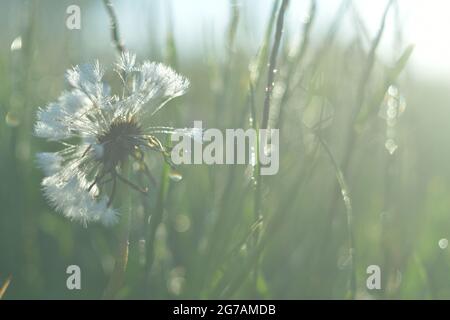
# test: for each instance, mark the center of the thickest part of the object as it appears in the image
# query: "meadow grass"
(340, 202)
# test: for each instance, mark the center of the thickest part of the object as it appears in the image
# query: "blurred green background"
(333, 105)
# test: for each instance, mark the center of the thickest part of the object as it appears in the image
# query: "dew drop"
(12, 120)
(82, 211)
(391, 146)
(176, 281)
(443, 243)
(175, 176)
(267, 151)
(16, 44)
(392, 108)
(182, 223)
(393, 91)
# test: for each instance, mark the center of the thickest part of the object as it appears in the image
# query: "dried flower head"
(100, 131)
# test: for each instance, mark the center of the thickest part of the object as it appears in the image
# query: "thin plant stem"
(121, 260)
(115, 34)
(264, 124)
(273, 63)
(259, 62)
(296, 60)
(349, 210)
(350, 138)
(257, 183)
(154, 221)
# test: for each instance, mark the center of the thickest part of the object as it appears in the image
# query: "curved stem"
(115, 34)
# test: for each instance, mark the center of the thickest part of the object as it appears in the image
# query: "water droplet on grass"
(443, 243)
(16, 44)
(182, 223)
(12, 120)
(391, 146)
(175, 176)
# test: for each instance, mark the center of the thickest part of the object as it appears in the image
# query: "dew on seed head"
(443, 243)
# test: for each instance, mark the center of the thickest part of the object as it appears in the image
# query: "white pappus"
(99, 131)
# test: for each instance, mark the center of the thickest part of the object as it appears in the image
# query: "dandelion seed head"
(100, 131)
(126, 62)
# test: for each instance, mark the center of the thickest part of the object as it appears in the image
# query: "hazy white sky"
(426, 23)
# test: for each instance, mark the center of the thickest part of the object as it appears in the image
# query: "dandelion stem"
(273, 62)
(154, 221)
(121, 257)
(121, 261)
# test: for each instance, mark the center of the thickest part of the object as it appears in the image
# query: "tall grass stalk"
(273, 63)
(361, 90)
(350, 135)
(264, 125)
(115, 33)
(257, 214)
(295, 61)
(258, 64)
(349, 211)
